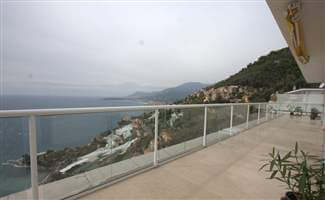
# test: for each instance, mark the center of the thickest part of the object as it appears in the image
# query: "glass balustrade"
(14, 157)
(77, 152)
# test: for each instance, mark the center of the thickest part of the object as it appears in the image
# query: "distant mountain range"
(169, 95)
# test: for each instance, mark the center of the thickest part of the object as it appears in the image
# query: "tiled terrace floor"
(226, 170)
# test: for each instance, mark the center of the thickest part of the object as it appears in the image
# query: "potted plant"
(291, 109)
(302, 173)
(298, 111)
(314, 113)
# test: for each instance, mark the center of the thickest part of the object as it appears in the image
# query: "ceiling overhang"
(312, 20)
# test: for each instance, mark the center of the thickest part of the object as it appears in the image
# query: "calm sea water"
(53, 132)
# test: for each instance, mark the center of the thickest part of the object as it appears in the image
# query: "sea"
(53, 132)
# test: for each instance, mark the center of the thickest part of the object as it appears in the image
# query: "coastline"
(53, 135)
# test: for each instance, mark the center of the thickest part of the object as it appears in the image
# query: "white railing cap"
(88, 110)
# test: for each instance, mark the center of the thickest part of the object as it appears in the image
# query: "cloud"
(88, 46)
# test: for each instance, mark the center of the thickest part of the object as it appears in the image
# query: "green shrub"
(302, 173)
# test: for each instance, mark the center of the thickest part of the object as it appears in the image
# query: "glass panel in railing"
(270, 111)
(309, 106)
(282, 108)
(262, 112)
(179, 130)
(218, 123)
(14, 159)
(304, 107)
(253, 115)
(78, 152)
(73, 152)
(83, 151)
(170, 141)
(278, 109)
(194, 120)
(239, 118)
(132, 143)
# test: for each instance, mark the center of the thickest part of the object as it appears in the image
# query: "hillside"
(170, 94)
(277, 71)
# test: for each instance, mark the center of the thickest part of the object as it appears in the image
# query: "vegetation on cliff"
(275, 72)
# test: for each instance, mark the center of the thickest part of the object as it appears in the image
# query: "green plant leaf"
(302, 183)
(279, 179)
(289, 179)
(273, 174)
(303, 154)
(273, 151)
(272, 165)
(279, 158)
(286, 156)
(263, 166)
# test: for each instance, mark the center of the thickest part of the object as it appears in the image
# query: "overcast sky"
(97, 48)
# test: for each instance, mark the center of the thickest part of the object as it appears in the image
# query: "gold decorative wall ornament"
(296, 32)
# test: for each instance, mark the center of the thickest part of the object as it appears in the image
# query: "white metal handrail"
(33, 113)
(88, 110)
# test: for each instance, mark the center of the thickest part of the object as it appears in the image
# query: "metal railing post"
(231, 118)
(33, 156)
(258, 113)
(323, 115)
(205, 126)
(323, 124)
(155, 153)
(267, 112)
(247, 118)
